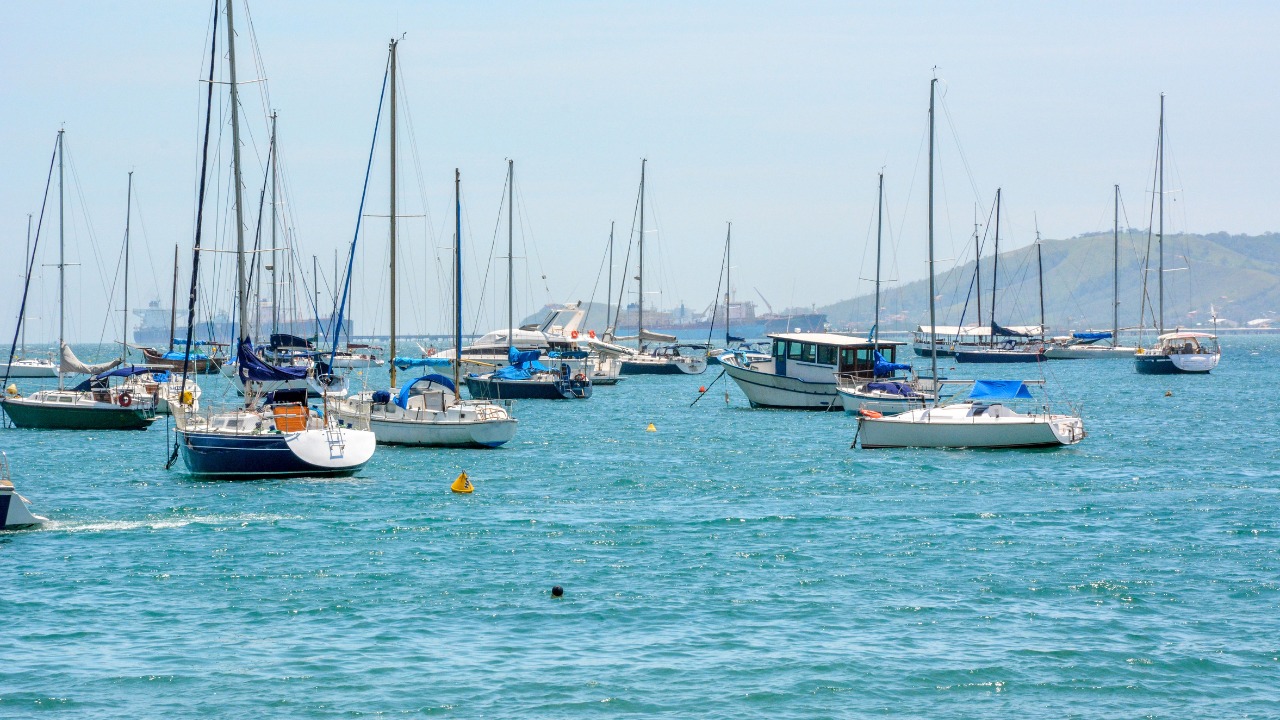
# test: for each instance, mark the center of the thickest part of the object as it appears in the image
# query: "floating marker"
(702, 389)
(462, 484)
(1168, 393)
(557, 591)
(651, 428)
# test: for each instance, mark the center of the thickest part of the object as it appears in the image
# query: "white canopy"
(71, 364)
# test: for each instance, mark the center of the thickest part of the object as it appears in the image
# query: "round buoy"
(702, 388)
(1168, 393)
(557, 591)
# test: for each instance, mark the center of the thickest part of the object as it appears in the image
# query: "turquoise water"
(736, 563)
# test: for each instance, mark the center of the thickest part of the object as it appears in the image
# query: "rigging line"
(964, 160)
(622, 286)
(493, 245)
(527, 238)
(146, 241)
(715, 305)
(604, 259)
(26, 282)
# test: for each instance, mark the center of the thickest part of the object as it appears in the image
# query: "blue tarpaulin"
(894, 388)
(404, 363)
(884, 368)
(1091, 335)
(999, 390)
(407, 390)
(251, 367)
(180, 355)
(996, 330)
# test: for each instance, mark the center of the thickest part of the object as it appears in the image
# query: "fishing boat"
(14, 512)
(802, 370)
(281, 436)
(980, 420)
(666, 357)
(92, 405)
(525, 377)
(1178, 352)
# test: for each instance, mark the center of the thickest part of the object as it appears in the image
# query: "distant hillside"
(1237, 275)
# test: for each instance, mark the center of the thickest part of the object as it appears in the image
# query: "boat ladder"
(337, 442)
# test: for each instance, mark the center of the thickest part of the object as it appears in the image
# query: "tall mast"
(26, 281)
(995, 272)
(608, 298)
(275, 314)
(977, 264)
(875, 327)
(933, 314)
(62, 263)
(393, 215)
(173, 300)
(1160, 164)
(457, 281)
(640, 277)
(511, 205)
(242, 288)
(1115, 274)
(728, 246)
(128, 214)
(315, 288)
(1040, 275)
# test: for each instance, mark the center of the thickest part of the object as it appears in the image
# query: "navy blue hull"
(482, 388)
(1160, 365)
(998, 356)
(649, 369)
(248, 456)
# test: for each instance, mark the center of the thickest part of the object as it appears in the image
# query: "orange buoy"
(702, 389)
(592, 334)
(870, 413)
(574, 335)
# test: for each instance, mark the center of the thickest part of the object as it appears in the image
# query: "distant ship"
(153, 326)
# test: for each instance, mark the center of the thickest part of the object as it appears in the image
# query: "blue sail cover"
(884, 368)
(996, 330)
(406, 391)
(100, 380)
(251, 367)
(1091, 335)
(181, 355)
(999, 390)
(894, 388)
(404, 363)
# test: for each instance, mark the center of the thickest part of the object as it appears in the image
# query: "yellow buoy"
(462, 484)
(651, 428)
(187, 399)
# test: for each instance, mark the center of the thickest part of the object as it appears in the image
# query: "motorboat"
(14, 512)
(802, 370)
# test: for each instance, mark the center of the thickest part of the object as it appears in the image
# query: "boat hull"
(198, 366)
(1159, 364)
(301, 454)
(29, 369)
(483, 388)
(999, 356)
(662, 367)
(921, 428)
(99, 416)
(854, 401)
(14, 512)
(1087, 352)
(767, 390)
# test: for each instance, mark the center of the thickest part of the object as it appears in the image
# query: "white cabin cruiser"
(801, 372)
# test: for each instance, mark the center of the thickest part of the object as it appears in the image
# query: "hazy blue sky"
(774, 115)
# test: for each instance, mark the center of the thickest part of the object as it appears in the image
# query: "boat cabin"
(818, 356)
(1187, 343)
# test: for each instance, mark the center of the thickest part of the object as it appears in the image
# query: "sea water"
(734, 563)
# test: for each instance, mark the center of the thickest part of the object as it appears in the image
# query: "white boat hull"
(13, 509)
(461, 424)
(767, 390)
(1088, 352)
(29, 369)
(1201, 363)
(967, 425)
(854, 401)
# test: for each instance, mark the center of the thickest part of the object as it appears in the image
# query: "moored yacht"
(801, 372)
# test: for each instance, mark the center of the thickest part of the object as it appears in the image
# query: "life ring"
(125, 399)
(591, 334)
(574, 334)
(580, 377)
(870, 413)
(431, 352)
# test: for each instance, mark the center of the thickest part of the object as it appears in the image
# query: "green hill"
(1238, 276)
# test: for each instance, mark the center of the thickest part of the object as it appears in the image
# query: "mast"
(1160, 165)
(1115, 274)
(26, 281)
(511, 303)
(315, 288)
(995, 272)
(173, 300)
(62, 264)
(933, 314)
(242, 289)
(1040, 275)
(608, 298)
(977, 264)
(728, 237)
(128, 214)
(640, 276)
(275, 314)
(875, 327)
(392, 349)
(457, 281)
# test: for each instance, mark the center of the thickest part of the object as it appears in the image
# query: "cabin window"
(793, 350)
(808, 352)
(847, 356)
(779, 349)
(865, 356)
(826, 355)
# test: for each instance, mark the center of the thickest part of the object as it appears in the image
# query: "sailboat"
(982, 419)
(1014, 345)
(747, 351)
(282, 437)
(92, 405)
(1178, 352)
(19, 365)
(525, 377)
(1098, 345)
(670, 357)
(884, 391)
(14, 513)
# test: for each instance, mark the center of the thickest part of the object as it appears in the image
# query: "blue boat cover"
(1091, 335)
(894, 388)
(1005, 332)
(381, 397)
(568, 354)
(124, 371)
(406, 391)
(999, 390)
(404, 363)
(735, 338)
(251, 367)
(884, 368)
(180, 354)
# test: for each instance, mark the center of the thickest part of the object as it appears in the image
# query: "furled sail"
(71, 364)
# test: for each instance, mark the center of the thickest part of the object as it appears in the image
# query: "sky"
(775, 116)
